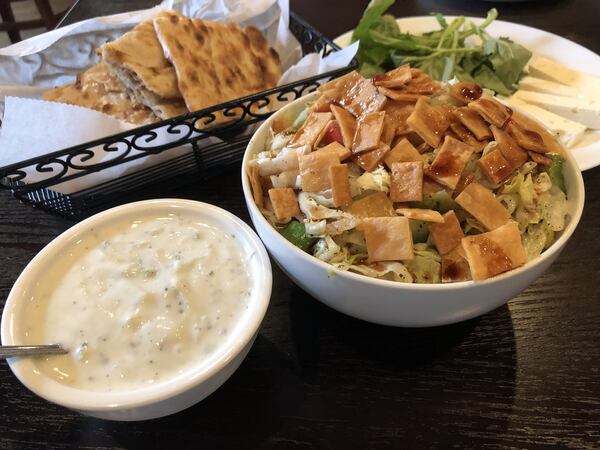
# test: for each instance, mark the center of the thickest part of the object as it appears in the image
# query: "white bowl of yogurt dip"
(158, 303)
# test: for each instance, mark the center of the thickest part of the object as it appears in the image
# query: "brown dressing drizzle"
(497, 261)
(465, 92)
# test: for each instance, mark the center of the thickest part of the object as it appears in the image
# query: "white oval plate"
(587, 151)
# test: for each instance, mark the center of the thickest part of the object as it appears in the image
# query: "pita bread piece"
(314, 170)
(428, 121)
(368, 132)
(98, 89)
(407, 182)
(426, 215)
(374, 205)
(492, 111)
(216, 62)
(347, 124)
(455, 266)
(369, 161)
(285, 203)
(394, 78)
(447, 235)
(311, 129)
(473, 121)
(450, 162)
(510, 149)
(494, 252)
(340, 185)
(388, 238)
(337, 148)
(138, 57)
(403, 151)
(495, 167)
(481, 204)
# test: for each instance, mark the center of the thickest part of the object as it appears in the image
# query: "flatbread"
(98, 89)
(216, 62)
(137, 59)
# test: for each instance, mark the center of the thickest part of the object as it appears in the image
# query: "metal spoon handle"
(9, 351)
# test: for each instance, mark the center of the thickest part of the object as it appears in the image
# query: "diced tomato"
(332, 134)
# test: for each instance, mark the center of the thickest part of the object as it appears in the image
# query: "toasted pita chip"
(491, 110)
(216, 62)
(399, 96)
(347, 124)
(355, 93)
(370, 160)
(407, 182)
(256, 185)
(540, 159)
(97, 88)
(446, 235)
(394, 123)
(481, 204)
(426, 215)
(450, 162)
(421, 83)
(388, 238)
(403, 151)
(314, 170)
(394, 78)
(337, 148)
(550, 142)
(455, 266)
(465, 179)
(374, 205)
(512, 152)
(285, 203)
(494, 252)
(474, 122)
(527, 139)
(340, 185)
(323, 104)
(495, 167)
(433, 187)
(368, 132)
(429, 122)
(310, 130)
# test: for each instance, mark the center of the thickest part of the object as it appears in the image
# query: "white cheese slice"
(554, 71)
(586, 112)
(566, 131)
(529, 83)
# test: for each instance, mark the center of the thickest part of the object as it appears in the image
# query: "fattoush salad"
(404, 178)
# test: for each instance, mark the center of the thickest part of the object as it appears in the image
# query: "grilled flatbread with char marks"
(216, 62)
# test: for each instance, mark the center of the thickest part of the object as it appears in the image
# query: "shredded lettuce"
(393, 271)
(377, 180)
(327, 250)
(425, 266)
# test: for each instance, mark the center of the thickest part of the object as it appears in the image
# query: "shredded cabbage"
(286, 159)
(315, 229)
(425, 266)
(327, 250)
(377, 180)
(315, 211)
(289, 178)
(393, 271)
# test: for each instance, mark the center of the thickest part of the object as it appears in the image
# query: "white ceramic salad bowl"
(393, 303)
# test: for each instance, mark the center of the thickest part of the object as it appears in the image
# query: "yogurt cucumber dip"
(137, 302)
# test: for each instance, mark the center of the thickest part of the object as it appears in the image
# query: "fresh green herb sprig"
(493, 63)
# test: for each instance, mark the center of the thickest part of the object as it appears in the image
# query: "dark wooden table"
(525, 375)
